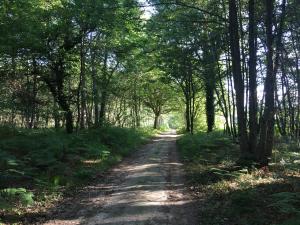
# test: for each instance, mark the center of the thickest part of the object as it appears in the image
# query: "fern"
(286, 202)
(11, 197)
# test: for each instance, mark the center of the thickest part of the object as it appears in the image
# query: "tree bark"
(33, 123)
(83, 107)
(102, 108)
(238, 77)
(155, 125)
(252, 78)
(95, 89)
(210, 107)
(265, 145)
(56, 86)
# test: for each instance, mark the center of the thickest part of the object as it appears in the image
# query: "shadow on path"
(147, 188)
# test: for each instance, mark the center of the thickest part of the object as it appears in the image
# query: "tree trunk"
(102, 109)
(32, 123)
(56, 86)
(187, 115)
(83, 107)
(267, 122)
(238, 77)
(210, 107)
(56, 115)
(210, 58)
(155, 125)
(297, 132)
(95, 90)
(252, 78)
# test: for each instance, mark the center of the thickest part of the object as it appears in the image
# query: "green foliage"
(8, 131)
(203, 151)
(286, 156)
(121, 140)
(45, 160)
(84, 174)
(163, 128)
(12, 197)
(244, 202)
(203, 146)
(176, 121)
(286, 202)
(231, 194)
(159, 97)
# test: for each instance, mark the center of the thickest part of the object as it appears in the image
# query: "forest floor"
(231, 194)
(146, 188)
(167, 179)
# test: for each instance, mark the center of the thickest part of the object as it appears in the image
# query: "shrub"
(11, 197)
(49, 161)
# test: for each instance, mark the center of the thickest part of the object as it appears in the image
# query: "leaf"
(10, 197)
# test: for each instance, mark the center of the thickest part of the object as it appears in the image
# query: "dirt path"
(146, 189)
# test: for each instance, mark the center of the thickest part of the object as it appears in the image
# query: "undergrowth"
(38, 166)
(232, 195)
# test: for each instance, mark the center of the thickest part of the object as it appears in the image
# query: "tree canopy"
(81, 64)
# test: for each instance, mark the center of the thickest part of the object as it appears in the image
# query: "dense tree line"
(71, 63)
(88, 63)
(243, 56)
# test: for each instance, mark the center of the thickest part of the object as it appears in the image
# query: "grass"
(38, 167)
(231, 195)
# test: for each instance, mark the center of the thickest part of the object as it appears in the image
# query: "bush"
(8, 131)
(231, 194)
(202, 146)
(12, 197)
(44, 159)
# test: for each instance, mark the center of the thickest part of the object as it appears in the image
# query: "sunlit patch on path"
(147, 188)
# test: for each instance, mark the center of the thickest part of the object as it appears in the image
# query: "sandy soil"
(145, 189)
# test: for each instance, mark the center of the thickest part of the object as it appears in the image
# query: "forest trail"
(145, 189)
